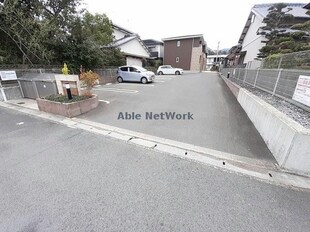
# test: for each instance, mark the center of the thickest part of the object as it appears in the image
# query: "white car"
(168, 69)
(134, 73)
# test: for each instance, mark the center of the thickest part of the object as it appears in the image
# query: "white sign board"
(302, 90)
(8, 75)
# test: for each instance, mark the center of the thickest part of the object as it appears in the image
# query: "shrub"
(214, 68)
(90, 79)
(64, 99)
(287, 44)
(65, 69)
(272, 61)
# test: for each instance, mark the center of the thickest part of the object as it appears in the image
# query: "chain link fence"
(296, 60)
(279, 82)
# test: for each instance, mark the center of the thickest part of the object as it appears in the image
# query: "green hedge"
(64, 99)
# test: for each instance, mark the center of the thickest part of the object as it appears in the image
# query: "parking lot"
(210, 116)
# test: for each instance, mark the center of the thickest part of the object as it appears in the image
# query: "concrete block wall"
(106, 75)
(105, 80)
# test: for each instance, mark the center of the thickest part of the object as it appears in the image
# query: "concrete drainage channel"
(260, 170)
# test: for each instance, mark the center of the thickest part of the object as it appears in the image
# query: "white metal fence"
(279, 82)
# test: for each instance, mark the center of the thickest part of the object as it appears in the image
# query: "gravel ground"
(299, 115)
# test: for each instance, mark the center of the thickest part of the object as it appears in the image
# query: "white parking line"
(120, 84)
(108, 102)
(163, 78)
(159, 81)
(118, 90)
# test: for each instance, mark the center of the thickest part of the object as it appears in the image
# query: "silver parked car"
(168, 69)
(134, 73)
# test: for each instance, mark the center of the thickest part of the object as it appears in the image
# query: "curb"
(260, 170)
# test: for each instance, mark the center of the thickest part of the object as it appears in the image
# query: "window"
(124, 69)
(253, 18)
(132, 69)
(178, 43)
(177, 59)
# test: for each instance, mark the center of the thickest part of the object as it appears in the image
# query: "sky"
(218, 20)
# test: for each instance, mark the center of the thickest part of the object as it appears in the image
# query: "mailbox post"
(68, 91)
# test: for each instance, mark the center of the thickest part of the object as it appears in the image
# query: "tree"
(18, 23)
(281, 36)
(87, 42)
(303, 26)
(224, 51)
(210, 51)
(54, 32)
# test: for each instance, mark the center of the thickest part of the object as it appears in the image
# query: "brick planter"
(68, 109)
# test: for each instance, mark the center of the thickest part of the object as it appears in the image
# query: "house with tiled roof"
(131, 45)
(155, 47)
(307, 6)
(251, 38)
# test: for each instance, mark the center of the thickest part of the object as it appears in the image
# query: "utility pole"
(217, 53)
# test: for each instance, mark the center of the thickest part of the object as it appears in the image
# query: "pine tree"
(281, 36)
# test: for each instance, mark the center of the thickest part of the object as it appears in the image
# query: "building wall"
(160, 49)
(157, 48)
(134, 48)
(211, 60)
(184, 52)
(197, 42)
(118, 35)
(197, 57)
(133, 61)
(253, 42)
(198, 61)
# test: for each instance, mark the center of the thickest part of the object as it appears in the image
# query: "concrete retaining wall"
(287, 140)
(232, 86)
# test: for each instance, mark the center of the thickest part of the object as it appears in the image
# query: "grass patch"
(64, 99)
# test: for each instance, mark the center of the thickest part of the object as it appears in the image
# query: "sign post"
(302, 90)
(8, 75)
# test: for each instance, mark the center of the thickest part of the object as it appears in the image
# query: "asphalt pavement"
(55, 178)
(219, 122)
